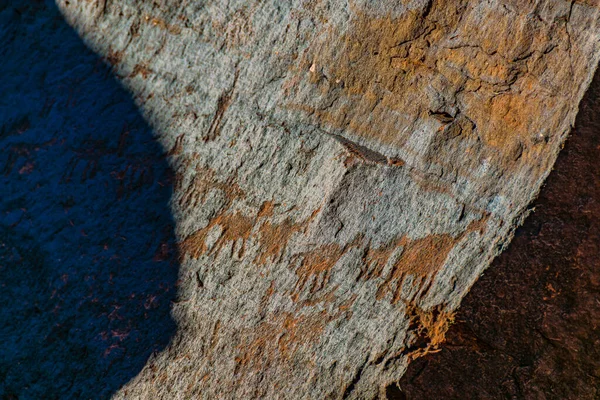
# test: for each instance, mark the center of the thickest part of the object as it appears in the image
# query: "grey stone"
(345, 172)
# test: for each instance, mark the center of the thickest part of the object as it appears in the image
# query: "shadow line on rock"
(88, 263)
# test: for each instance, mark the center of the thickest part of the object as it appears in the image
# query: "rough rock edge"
(245, 156)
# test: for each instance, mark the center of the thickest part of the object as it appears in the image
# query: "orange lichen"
(214, 337)
(324, 299)
(317, 264)
(379, 75)
(274, 239)
(278, 338)
(267, 296)
(281, 335)
(375, 260)
(233, 227)
(366, 73)
(301, 330)
(203, 182)
(421, 258)
(266, 209)
(425, 256)
(430, 327)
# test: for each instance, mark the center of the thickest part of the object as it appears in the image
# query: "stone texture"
(87, 268)
(344, 172)
(529, 328)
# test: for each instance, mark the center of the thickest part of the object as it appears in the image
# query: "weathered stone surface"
(530, 327)
(344, 172)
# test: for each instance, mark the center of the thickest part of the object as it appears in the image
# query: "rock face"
(86, 278)
(530, 327)
(344, 171)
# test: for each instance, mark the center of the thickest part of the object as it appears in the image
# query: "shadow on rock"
(87, 256)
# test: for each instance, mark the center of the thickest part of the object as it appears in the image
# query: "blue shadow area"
(88, 265)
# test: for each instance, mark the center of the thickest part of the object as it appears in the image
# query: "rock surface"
(530, 327)
(344, 172)
(87, 271)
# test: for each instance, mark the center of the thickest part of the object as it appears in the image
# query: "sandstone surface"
(344, 172)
